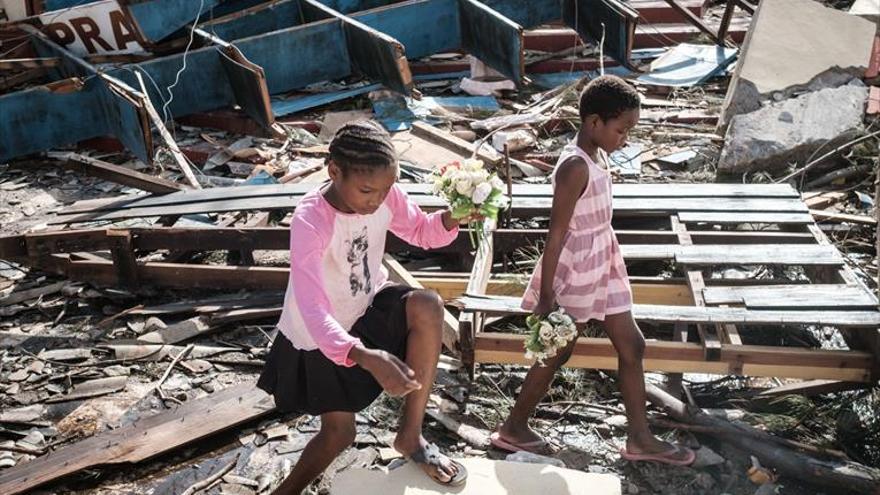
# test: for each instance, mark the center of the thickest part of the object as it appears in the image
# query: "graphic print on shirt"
(359, 277)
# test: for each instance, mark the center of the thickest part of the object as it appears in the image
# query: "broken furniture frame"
(273, 48)
(693, 226)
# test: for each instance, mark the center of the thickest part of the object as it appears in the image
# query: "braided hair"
(362, 146)
(608, 96)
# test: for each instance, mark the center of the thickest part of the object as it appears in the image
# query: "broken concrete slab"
(486, 477)
(796, 45)
(791, 130)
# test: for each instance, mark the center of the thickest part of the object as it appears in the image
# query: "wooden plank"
(691, 314)
(810, 388)
(754, 254)
(144, 439)
(494, 39)
(522, 207)
(159, 124)
(705, 191)
(375, 54)
(680, 357)
(397, 273)
(469, 325)
(26, 295)
(643, 293)
(793, 296)
(833, 216)
(437, 136)
(744, 218)
(708, 335)
(121, 175)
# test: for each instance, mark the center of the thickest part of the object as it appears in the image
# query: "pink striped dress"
(590, 280)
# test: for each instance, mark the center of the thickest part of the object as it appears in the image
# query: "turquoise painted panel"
(296, 57)
(277, 16)
(201, 87)
(528, 13)
(349, 6)
(124, 123)
(444, 33)
(36, 119)
(160, 18)
(492, 38)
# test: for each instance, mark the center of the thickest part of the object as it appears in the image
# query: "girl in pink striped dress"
(582, 271)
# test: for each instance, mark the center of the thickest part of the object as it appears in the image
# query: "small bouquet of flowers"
(471, 191)
(548, 334)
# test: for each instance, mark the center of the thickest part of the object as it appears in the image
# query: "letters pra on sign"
(99, 27)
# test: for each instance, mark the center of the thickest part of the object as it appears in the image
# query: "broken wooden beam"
(686, 357)
(143, 439)
(93, 167)
(831, 474)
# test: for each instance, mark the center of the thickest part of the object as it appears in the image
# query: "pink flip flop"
(662, 457)
(535, 447)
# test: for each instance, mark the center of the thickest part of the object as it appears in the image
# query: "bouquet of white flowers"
(471, 191)
(548, 334)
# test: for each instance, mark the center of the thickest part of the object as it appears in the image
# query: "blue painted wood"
(315, 52)
(373, 54)
(350, 6)
(587, 17)
(36, 119)
(527, 13)
(272, 17)
(121, 117)
(157, 19)
(443, 35)
(492, 38)
(201, 87)
(50, 5)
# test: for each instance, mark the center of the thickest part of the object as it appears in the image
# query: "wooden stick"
(210, 480)
(179, 158)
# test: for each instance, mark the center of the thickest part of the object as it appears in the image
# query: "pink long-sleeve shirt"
(336, 266)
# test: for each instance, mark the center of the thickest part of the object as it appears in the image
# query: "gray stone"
(707, 457)
(791, 130)
(784, 55)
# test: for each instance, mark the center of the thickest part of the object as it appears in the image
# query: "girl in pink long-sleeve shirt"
(346, 332)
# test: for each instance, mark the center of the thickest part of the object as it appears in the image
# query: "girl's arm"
(416, 227)
(571, 179)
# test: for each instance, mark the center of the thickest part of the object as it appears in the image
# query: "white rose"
(463, 185)
(561, 341)
(545, 330)
(496, 183)
(481, 192)
(554, 318)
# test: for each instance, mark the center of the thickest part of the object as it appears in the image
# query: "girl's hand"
(395, 377)
(450, 223)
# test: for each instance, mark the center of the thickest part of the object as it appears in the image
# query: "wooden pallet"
(693, 229)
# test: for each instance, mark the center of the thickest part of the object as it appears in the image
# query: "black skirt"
(307, 382)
